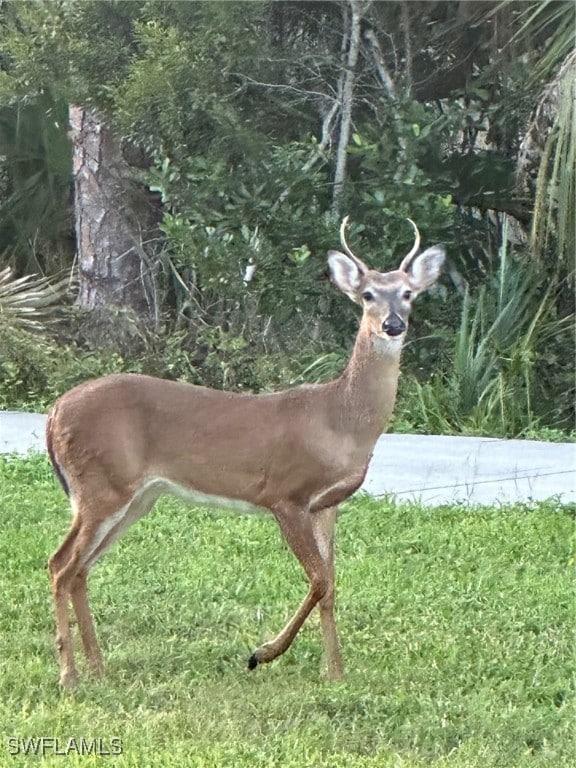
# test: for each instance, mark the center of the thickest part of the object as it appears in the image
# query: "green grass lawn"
(457, 628)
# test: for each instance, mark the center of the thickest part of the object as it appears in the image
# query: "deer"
(119, 442)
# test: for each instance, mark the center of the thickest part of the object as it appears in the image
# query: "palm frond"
(555, 198)
(29, 303)
(550, 23)
(503, 332)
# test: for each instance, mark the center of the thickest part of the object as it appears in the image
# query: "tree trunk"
(116, 227)
(346, 99)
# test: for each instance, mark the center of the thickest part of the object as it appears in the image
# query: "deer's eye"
(368, 296)
(407, 295)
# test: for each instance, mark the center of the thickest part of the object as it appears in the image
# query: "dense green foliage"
(456, 625)
(229, 114)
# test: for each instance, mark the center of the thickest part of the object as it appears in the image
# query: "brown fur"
(119, 442)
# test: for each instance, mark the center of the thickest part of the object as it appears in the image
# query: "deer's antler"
(408, 258)
(360, 264)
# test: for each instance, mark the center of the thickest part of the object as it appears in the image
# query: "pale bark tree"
(351, 40)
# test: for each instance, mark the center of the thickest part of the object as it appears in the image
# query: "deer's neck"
(369, 383)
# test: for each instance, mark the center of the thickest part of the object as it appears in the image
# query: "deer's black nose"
(393, 325)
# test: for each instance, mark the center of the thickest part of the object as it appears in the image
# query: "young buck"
(120, 442)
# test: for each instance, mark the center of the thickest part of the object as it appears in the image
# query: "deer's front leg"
(323, 523)
(298, 530)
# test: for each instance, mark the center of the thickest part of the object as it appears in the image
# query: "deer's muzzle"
(393, 325)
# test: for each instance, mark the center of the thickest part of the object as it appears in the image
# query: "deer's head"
(386, 297)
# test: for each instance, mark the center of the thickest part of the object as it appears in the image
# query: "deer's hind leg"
(64, 567)
(79, 595)
(92, 533)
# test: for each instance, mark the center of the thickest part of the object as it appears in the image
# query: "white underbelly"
(140, 504)
(194, 497)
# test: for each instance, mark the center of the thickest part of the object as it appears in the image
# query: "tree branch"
(347, 96)
(407, 30)
(381, 68)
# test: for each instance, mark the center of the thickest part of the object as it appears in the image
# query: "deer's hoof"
(68, 680)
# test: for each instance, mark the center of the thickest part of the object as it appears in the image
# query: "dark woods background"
(150, 152)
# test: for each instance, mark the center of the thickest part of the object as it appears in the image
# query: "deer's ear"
(425, 269)
(346, 274)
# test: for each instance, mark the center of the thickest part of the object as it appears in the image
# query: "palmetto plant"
(550, 138)
(555, 201)
(29, 303)
(35, 183)
(491, 385)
